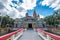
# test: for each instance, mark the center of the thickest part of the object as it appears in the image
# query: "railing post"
(48, 37)
(12, 37)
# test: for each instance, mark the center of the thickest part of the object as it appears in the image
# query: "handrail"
(10, 34)
(56, 37)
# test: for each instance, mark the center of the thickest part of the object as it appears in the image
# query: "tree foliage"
(6, 20)
(53, 19)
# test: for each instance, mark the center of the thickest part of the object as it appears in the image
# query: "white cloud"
(1, 6)
(41, 16)
(52, 3)
(47, 2)
(11, 11)
(58, 7)
(22, 14)
(55, 4)
(6, 1)
(16, 12)
(3, 12)
(28, 4)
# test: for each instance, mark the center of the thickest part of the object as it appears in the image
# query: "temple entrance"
(29, 25)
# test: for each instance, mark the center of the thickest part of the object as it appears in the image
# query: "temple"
(29, 21)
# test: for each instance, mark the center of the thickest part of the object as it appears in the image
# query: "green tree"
(7, 20)
(53, 19)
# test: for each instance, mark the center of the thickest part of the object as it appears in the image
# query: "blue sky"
(42, 10)
(18, 8)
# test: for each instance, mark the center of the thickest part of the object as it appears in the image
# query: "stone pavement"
(30, 35)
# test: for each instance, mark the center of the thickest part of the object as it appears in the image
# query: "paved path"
(30, 35)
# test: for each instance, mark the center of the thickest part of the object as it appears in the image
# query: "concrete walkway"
(30, 35)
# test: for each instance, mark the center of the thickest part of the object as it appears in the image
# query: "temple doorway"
(30, 25)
